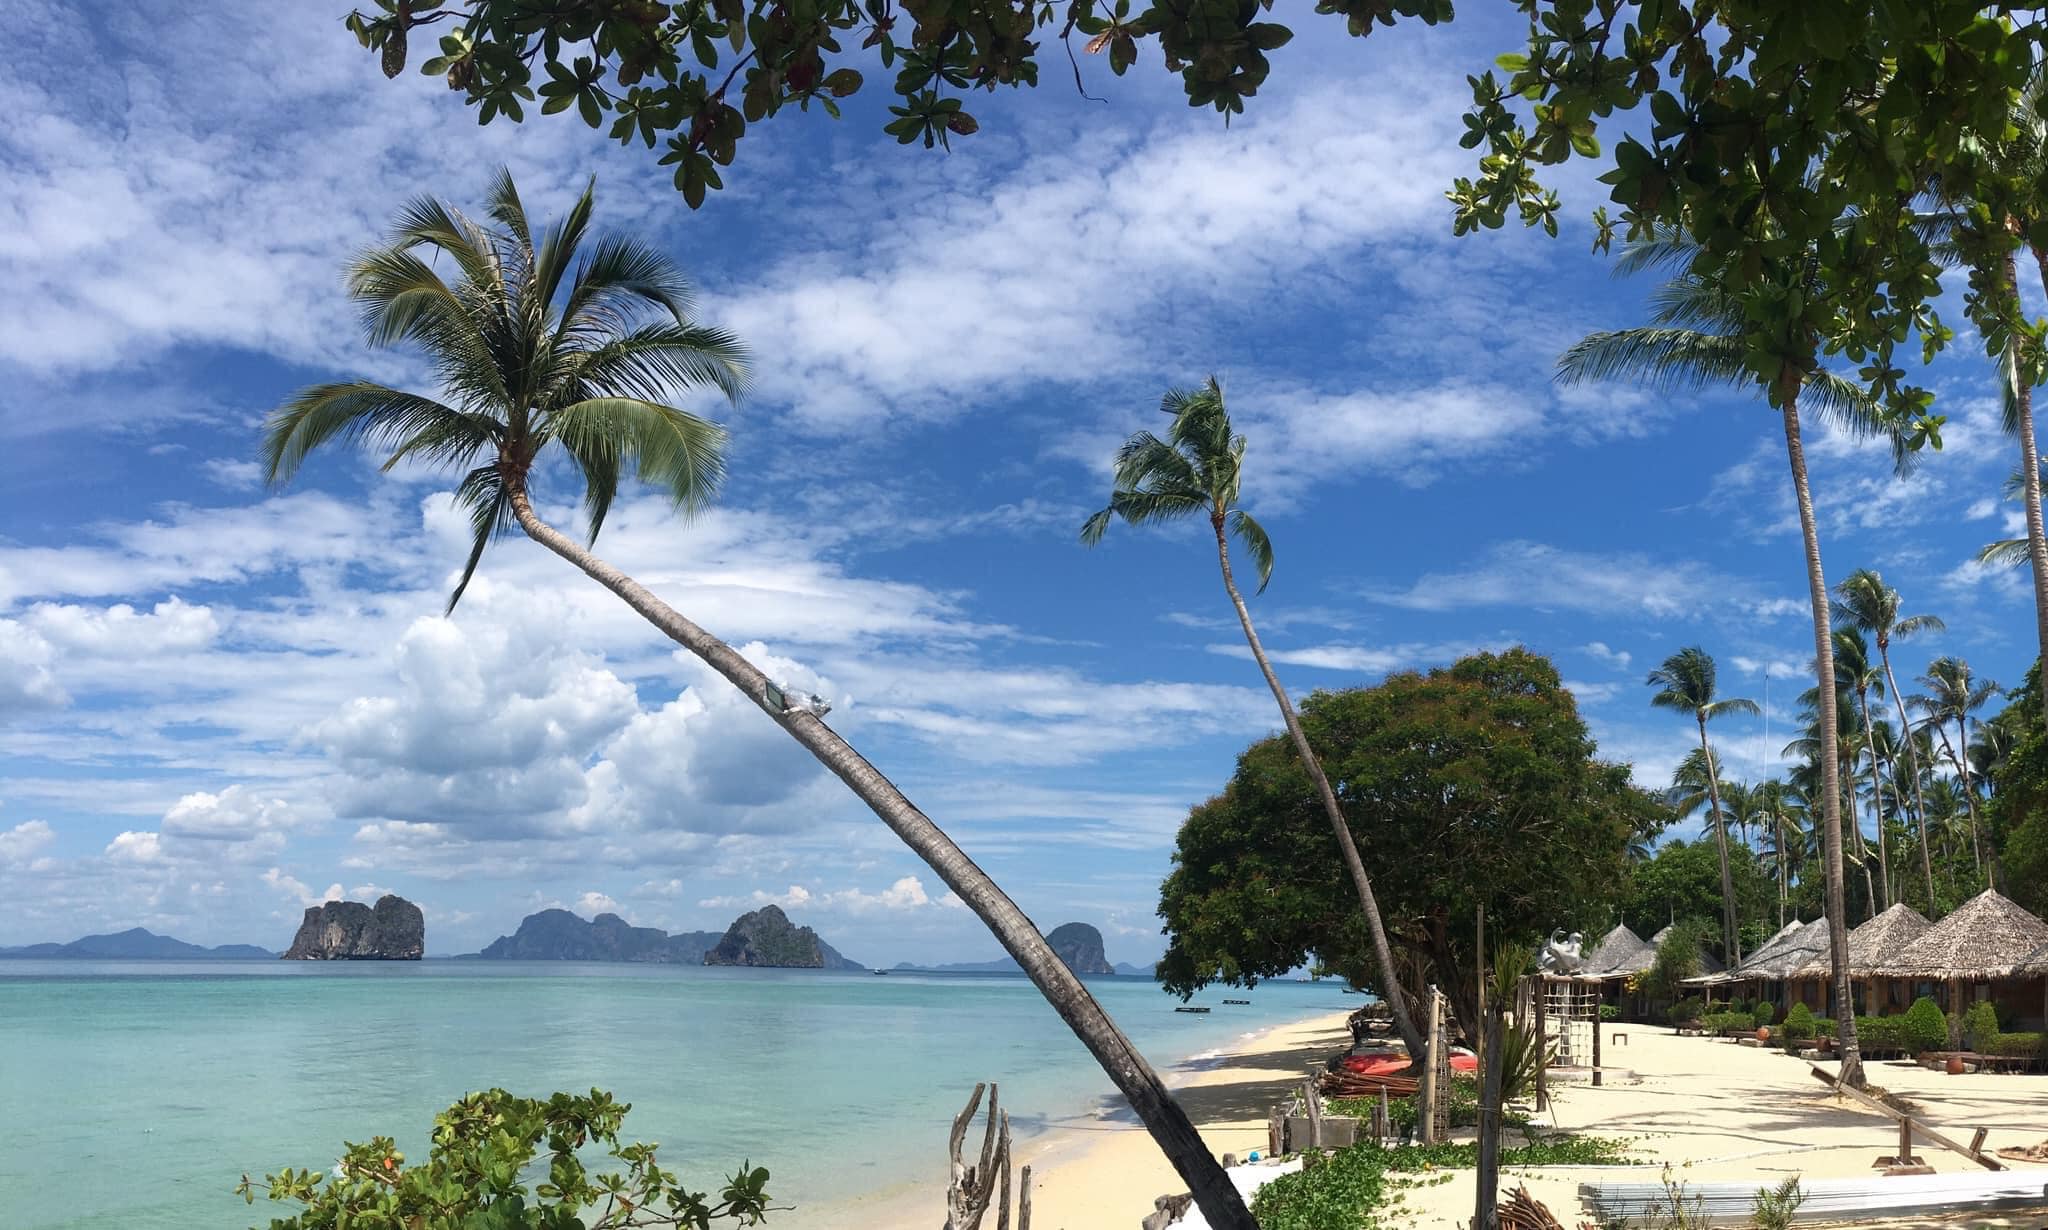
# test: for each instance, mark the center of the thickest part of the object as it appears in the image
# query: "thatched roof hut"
(2037, 963)
(1986, 937)
(1784, 958)
(1756, 964)
(1619, 953)
(1872, 944)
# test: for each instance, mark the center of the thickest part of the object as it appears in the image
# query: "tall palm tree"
(547, 345)
(1198, 470)
(1686, 683)
(2009, 552)
(1782, 814)
(1856, 674)
(1863, 600)
(1697, 339)
(1953, 694)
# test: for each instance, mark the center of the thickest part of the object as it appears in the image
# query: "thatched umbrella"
(1872, 944)
(1986, 938)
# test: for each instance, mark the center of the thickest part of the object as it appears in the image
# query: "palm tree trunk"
(1962, 764)
(1133, 1076)
(1831, 786)
(1368, 901)
(1731, 940)
(1884, 860)
(1912, 769)
(1784, 890)
(2030, 476)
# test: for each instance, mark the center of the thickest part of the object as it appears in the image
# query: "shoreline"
(1098, 1167)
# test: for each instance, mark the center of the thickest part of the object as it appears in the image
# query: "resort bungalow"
(1620, 956)
(1988, 945)
(1767, 973)
(1871, 945)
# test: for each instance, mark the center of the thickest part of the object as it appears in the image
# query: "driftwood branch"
(971, 1188)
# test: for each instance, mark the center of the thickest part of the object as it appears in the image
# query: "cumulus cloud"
(594, 902)
(134, 847)
(21, 843)
(26, 682)
(296, 889)
(903, 896)
(1599, 650)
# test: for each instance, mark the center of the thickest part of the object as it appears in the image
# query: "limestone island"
(394, 930)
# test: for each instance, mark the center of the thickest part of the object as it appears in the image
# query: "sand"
(1712, 1109)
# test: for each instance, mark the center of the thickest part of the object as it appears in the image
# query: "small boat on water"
(1237, 1001)
(879, 972)
(1189, 1008)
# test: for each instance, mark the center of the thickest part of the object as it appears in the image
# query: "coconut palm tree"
(1697, 339)
(2009, 552)
(1686, 683)
(1782, 814)
(1197, 470)
(1858, 676)
(1864, 601)
(548, 345)
(1953, 694)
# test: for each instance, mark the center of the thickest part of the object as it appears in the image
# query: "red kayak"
(1390, 1065)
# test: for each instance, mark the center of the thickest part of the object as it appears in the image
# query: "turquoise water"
(135, 1094)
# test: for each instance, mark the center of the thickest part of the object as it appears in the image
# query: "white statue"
(1561, 955)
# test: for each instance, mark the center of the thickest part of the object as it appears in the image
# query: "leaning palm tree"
(1864, 601)
(1953, 694)
(1686, 683)
(1198, 470)
(1696, 340)
(549, 345)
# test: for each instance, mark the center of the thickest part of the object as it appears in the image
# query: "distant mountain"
(558, 935)
(1136, 971)
(1078, 944)
(136, 944)
(766, 937)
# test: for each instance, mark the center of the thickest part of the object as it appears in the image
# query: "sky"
(220, 704)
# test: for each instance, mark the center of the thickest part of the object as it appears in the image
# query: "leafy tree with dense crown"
(1474, 784)
(1864, 601)
(1684, 881)
(547, 349)
(1198, 470)
(1701, 336)
(1686, 683)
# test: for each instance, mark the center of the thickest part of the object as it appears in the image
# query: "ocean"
(135, 1094)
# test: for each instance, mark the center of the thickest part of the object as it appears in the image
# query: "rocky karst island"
(392, 930)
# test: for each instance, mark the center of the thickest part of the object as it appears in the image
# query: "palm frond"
(1146, 507)
(1666, 359)
(1734, 704)
(352, 410)
(620, 275)
(558, 249)
(672, 450)
(507, 209)
(655, 362)
(481, 494)
(1912, 624)
(427, 222)
(1096, 526)
(2005, 553)
(1256, 544)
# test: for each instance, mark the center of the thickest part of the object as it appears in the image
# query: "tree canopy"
(1471, 785)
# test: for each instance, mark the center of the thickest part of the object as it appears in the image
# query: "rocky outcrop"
(394, 930)
(766, 937)
(558, 935)
(1080, 946)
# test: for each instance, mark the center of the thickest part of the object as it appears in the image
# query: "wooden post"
(1596, 1045)
(1312, 1104)
(1382, 1118)
(1276, 1132)
(1540, 986)
(1486, 1212)
(1426, 1105)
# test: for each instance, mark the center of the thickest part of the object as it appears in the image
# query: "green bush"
(2017, 1046)
(1341, 1191)
(1980, 1026)
(1608, 1012)
(472, 1179)
(1689, 1009)
(1799, 1024)
(1925, 1027)
(1766, 1013)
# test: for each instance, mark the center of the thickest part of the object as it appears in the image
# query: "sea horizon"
(159, 1083)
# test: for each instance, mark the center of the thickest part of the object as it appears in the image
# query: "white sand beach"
(1713, 1110)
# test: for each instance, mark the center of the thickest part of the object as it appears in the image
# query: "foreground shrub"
(1766, 1013)
(1980, 1026)
(1925, 1028)
(1688, 1009)
(1799, 1024)
(1343, 1191)
(471, 1179)
(1609, 1012)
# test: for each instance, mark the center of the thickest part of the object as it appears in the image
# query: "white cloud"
(26, 681)
(21, 843)
(593, 903)
(1532, 574)
(1599, 650)
(171, 626)
(293, 887)
(905, 895)
(232, 474)
(133, 847)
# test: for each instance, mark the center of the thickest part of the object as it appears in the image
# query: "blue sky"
(219, 704)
